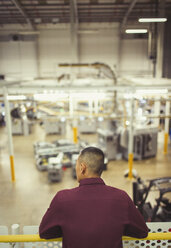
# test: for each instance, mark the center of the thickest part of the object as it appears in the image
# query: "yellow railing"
(36, 238)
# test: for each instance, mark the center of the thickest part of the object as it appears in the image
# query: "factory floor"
(25, 201)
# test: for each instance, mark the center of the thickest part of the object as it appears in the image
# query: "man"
(92, 215)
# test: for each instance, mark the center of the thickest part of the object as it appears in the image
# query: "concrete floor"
(25, 201)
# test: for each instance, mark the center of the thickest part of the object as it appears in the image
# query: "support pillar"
(75, 131)
(9, 131)
(167, 113)
(74, 37)
(96, 105)
(15, 230)
(131, 140)
(157, 112)
(37, 50)
(90, 104)
(71, 108)
(160, 41)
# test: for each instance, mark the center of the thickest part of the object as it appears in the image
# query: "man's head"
(90, 163)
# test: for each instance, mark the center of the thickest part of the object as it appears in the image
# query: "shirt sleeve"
(50, 226)
(135, 226)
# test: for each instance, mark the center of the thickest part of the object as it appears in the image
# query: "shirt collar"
(91, 181)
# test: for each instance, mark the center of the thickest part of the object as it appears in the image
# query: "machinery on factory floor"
(145, 142)
(54, 157)
(161, 211)
(115, 141)
(55, 126)
(2, 119)
(20, 123)
(21, 127)
(87, 125)
(108, 141)
(44, 150)
(90, 125)
(55, 168)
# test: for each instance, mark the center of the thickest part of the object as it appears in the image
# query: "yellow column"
(9, 132)
(75, 135)
(165, 142)
(130, 163)
(167, 112)
(12, 168)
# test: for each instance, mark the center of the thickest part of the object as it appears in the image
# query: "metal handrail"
(36, 238)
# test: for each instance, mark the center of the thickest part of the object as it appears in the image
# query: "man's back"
(92, 215)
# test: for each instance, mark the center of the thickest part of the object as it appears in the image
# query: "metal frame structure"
(46, 11)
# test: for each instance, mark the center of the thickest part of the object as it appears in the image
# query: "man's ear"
(83, 168)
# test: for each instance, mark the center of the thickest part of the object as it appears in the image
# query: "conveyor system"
(44, 151)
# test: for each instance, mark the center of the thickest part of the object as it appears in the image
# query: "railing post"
(15, 230)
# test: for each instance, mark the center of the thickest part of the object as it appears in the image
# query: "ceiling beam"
(131, 6)
(22, 11)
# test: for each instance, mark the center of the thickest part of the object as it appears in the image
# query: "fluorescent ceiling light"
(50, 97)
(152, 19)
(87, 31)
(155, 91)
(61, 95)
(136, 31)
(17, 97)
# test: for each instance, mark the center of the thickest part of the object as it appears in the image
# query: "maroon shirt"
(92, 215)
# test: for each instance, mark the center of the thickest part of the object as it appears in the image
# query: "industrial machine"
(161, 211)
(20, 123)
(43, 151)
(108, 124)
(21, 127)
(145, 142)
(54, 157)
(54, 126)
(87, 125)
(108, 141)
(2, 119)
(55, 168)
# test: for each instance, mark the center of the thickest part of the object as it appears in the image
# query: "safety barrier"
(159, 237)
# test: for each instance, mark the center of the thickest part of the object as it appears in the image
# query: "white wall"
(53, 46)
(18, 58)
(134, 59)
(99, 47)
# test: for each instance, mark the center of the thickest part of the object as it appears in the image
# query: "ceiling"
(37, 12)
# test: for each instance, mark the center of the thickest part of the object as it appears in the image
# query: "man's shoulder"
(116, 191)
(106, 192)
(66, 193)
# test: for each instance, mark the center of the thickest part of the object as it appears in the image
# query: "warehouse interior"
(83, 73)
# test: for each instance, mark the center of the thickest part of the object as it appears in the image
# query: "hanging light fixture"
(156, 19)
(136, 31)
